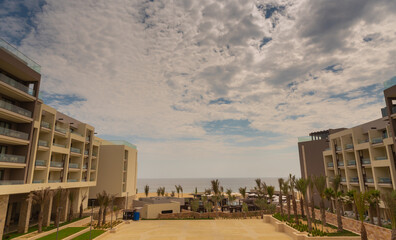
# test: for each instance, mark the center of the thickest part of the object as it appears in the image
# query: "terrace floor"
(198, 229)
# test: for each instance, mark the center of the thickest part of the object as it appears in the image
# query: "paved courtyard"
(198, 229)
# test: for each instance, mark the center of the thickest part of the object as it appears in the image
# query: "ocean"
(189, 184)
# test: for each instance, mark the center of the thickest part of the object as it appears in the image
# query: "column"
(24, 215)
(3, 212)
(9, 215)
(64, 205)
(47, 212)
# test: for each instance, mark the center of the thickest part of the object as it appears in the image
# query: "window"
(3, 149)
(167, 211)
(2, 174)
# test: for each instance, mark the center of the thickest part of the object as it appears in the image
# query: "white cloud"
(148, 70)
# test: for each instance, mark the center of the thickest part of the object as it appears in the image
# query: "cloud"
(206, 83)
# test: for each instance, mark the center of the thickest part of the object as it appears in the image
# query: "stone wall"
(374, 232)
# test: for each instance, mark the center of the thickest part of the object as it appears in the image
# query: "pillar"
(3, 212)
(24, 215)
(47, 212)
(9, 215)
(64, 208)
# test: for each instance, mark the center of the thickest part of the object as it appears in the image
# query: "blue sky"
(209, 88)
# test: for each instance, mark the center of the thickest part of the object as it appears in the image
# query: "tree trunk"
(371, 216)
(288, 206)
(331, 206)
(363, 233)
(40, 218)
(295, 210)
(100, 216)
(81, 211)
(379, 215)
(56, 222)
(339, 220)
(104, 215)
(313, 218)
(356, 211)
(281, 202)
(70, 213)
(302, 207)
(309, 223)
(323, 213)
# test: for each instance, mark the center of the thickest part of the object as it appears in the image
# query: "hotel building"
(39, 147)
(117, 174)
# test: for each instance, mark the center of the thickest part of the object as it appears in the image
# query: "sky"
(209, 88)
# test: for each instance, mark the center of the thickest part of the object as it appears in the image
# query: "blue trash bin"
(136, 216)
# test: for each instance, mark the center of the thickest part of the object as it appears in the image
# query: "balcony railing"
(85, 166)
(330, 164)
(59, 145)
(40, 163)
(83, 180)
(11, 182)
(29, 62)
(343, 179)
(369, 180)
(376, 140)
(45, 124)
(15, 109)
(12, 158)
(54, 180)
(60, 129)
(75, 150)
(349, 146)
(56, 164)
(72, 180)
(363, 141)
(338, 148)
(340, 163)
(13, 133)
(380, 158)
(43, 143)
(94, 154)
(351, 162)
(384, 180)
(38, 181)
(77, 133)
(16, 84)
(354, 179)
(74, 165)
(327, 149)
(87, 139)
(366, 161)
(86, 152)
(93, 167)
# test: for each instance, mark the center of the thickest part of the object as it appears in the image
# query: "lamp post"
(90, 226)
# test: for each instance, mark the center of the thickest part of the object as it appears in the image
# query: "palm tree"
(312, 203)
(229, 194)
(371, 202)
(258, 187)
(100, 198)
(163, 191)
(336, 185)
(360, 201)
(40, 198)
(320, 185)
(285, 189)
(177, 190)
(329, 193)
(242, 191)
(146, 190)
(216, 191)
(350, 199)
(292, 180)
(302, 187)
(159, 190)
(106, 203)
(71, 200)
(261, 203)
(181, 190)
(60, 194)
(245, 209)
(375, 195)
(81, 205)
(280, 182)
(270, 192)
(195, 205)
(389, 199)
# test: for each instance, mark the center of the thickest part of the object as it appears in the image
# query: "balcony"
(85, 166)
(94, 154)
(18, 91)
(366, 161)
(86, 152)
(343, 179)
(8, 158)
(369, 180)
(38, 181)
(340, 163)
(351, 162)
(29, 62)
(93, 167)
(348, 146)
(384, 180)
(60, 129)
(13, 133)
(56, 164)
(59, 145)
(381, 158)
(72, 180)
(11, 182)
(376, 140)
(75, 150)
(87, 139)
(77, 133)
(330, 164)
(54, 181)
(45, 124)
(74, 165)
(83, 180)
(15, 109)
(363, 141)
(40, 163)
(43, 143)
(354, 180)
(338, 148)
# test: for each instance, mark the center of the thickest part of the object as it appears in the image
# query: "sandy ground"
(198, 229)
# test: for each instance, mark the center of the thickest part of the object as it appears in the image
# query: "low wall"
(374, 232)
(192, 215)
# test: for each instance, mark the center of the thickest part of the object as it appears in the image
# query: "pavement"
(198, 229)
